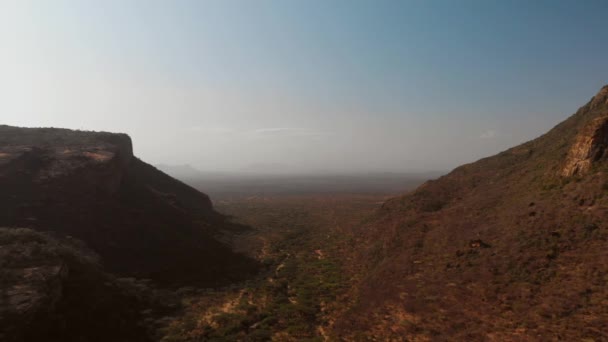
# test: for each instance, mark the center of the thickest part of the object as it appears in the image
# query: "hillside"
(141, 222)
(511, 247)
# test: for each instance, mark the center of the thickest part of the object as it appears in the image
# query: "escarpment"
(89, 185)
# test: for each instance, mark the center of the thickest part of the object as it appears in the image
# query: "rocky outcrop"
(33, 291)
(31, 280)
(590, 146)
(54, 290)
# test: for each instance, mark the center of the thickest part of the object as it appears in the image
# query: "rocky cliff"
(54, 290)
(591, 146)
(591, 142)
(89, 185)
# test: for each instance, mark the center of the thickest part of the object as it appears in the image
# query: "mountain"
(180, 172)
(509, 248)
(141, 222)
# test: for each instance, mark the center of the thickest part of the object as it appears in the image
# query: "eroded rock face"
(590, 146)
(54, 289)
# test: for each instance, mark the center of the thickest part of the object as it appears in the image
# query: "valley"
(508, 248)
(305, 245)
(315, 171)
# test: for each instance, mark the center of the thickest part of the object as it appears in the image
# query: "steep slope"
(89, 185)
(511, 247)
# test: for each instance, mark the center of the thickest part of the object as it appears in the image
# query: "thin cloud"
(261, 132)
(275, 130)
(289, 131)
(211, 129)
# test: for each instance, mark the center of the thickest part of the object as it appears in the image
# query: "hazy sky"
(288, 86)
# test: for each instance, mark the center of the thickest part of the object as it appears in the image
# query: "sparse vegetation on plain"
(302, 241)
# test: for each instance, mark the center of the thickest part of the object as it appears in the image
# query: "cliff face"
(511, 247)
(591, 146)
(591, 142)
(89, 185)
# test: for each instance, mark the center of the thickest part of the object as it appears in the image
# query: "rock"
(591, 145)
(478, 244)
(31, 282)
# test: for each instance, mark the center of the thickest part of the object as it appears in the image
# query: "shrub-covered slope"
(511, 247)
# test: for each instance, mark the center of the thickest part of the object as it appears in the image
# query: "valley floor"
(303, 243)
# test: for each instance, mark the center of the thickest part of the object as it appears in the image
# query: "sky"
(311, 86)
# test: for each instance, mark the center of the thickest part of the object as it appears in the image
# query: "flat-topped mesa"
(90, 186)
(64, 144)
(47, 154)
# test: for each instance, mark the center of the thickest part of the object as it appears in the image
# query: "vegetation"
(301, 240)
